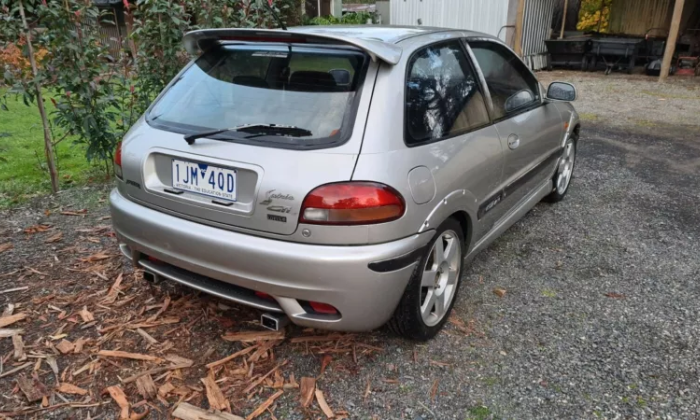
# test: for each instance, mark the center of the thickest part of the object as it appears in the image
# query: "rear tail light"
(323, 308)
(118, 161)
(352, 203)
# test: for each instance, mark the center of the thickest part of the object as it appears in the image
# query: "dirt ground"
(599, 318)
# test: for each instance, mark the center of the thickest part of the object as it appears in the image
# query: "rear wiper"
(256, 130)
(275, 129)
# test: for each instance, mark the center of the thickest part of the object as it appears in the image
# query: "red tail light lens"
(118, 160)
(352, 203)
(323, 308)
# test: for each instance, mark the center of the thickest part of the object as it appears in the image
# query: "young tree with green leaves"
(29, 86)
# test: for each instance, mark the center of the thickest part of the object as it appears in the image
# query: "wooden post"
(671, 41)
(48, 142)
(563, 19)
(519, 20)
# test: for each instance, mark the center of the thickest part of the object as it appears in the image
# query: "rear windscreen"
(313, 90)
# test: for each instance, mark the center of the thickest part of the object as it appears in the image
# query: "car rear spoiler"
(197, 42)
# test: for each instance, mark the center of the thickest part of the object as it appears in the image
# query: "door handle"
(513, 141)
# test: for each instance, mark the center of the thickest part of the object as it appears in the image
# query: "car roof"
(384, 33)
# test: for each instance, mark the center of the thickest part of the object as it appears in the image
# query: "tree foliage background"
(594, 15)
(98, 96)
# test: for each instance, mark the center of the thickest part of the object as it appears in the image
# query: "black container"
(568, 53)
(615, 52)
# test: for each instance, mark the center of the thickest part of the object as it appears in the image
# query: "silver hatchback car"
(339, 177)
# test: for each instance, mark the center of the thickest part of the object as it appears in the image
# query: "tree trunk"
(48, 142)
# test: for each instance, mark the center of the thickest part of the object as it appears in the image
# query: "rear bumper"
(231, 265)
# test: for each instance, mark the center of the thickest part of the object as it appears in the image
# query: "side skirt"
(525, 205)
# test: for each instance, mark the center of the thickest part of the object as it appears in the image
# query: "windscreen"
(312, 90)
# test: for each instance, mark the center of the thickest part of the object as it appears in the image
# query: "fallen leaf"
(81, 212)
(499, 292)
(67, 388)
(615, 295)
(325, 362)
(139, 416)
(115, 391)
(434, 390)
(308, 387)
(55, 238)
(4, 247)
(65, 346)
(323, 404)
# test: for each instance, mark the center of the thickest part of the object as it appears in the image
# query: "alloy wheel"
(566, 167)
(440, 276)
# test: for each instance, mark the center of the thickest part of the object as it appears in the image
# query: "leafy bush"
(359, 18)
(594, 14)
(82, 79)
(14, 59)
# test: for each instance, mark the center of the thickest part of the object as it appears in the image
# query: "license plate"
(204, 179)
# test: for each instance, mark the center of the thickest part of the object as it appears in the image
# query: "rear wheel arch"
(465, 221)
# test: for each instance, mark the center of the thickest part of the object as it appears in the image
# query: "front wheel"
(430, 294)
(565, 171)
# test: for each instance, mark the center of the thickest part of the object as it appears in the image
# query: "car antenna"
(274, 14)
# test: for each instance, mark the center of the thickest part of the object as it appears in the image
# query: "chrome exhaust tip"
(274, 322)
(151, 277)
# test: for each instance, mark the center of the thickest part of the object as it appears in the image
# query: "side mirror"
(341, 77)
(561, 91)
(519, 99)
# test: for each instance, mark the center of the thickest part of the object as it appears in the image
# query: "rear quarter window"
(443, 98)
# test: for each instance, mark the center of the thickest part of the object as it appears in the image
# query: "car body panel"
(476, 176)
(336, 275)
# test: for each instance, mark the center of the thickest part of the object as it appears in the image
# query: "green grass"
(479, 413)
(549, 293)
(23, 170)
(585, 116)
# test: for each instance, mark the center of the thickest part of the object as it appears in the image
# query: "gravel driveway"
(599, 318)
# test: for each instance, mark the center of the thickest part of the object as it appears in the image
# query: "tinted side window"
(510, 83)
(442, 95)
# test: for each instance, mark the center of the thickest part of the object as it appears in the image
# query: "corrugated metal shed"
(536, 29)
(636, 17)
(487, 16)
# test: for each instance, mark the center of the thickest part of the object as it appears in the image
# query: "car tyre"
(431, 292)
(565, 171)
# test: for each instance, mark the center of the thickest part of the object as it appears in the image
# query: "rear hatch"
(291, 118)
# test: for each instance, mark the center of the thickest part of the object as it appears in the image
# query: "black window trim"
(482, 79)
(346, 131)
(474, 68)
